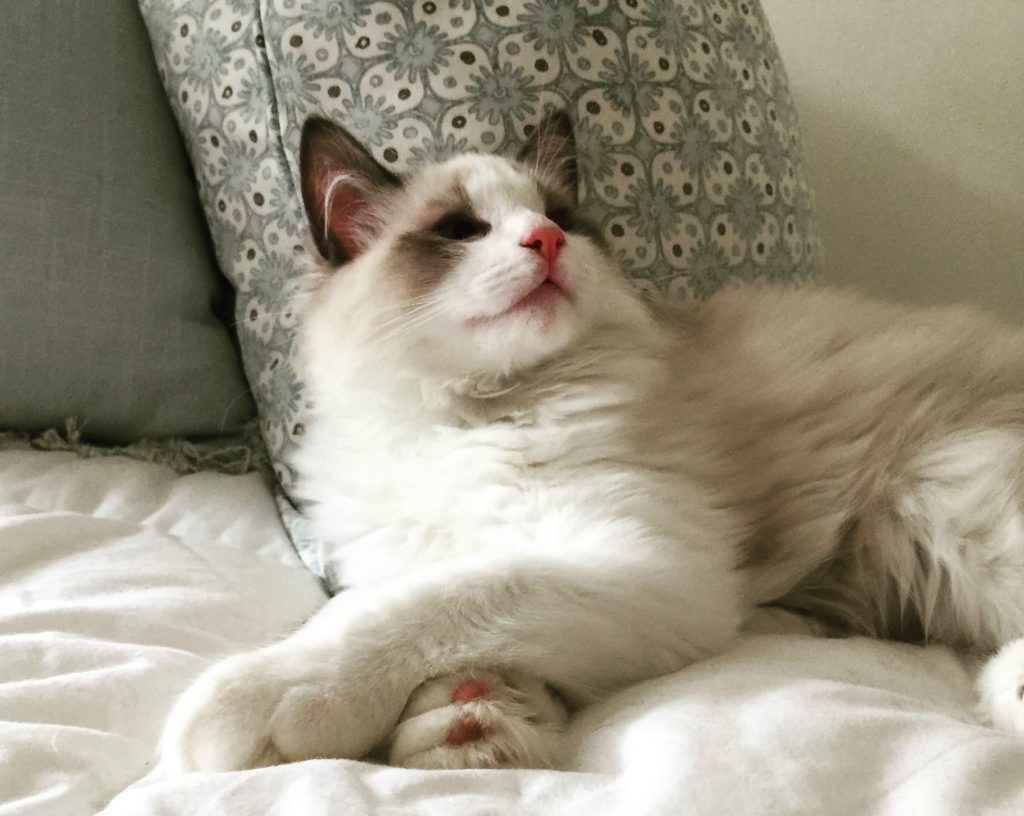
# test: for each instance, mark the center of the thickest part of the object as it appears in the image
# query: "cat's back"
(822, 403)
(779, 346)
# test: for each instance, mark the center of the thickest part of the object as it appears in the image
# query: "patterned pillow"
(689, 155)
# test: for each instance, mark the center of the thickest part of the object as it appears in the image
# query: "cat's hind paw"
(1001, 689)
(479, 719)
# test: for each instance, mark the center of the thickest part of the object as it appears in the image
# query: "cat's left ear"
(342, 187)
(551, 151)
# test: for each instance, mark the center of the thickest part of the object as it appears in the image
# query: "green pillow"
(109, 292)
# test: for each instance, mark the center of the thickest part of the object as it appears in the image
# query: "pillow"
(689, 154)
(109, 287)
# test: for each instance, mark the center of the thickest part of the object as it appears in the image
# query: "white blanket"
(120, 581)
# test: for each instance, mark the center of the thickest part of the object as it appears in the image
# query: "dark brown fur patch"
(423, 256)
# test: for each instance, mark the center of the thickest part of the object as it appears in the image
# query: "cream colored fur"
(597, 493)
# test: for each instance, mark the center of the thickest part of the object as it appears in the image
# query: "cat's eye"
(562, 218)
(460, 227)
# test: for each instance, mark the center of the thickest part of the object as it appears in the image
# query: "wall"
(913, 122)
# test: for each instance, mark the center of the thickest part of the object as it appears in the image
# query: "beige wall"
(913, 123)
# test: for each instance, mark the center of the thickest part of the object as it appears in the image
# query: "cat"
(540, 488)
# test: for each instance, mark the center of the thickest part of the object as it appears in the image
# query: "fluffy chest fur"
(398, 477)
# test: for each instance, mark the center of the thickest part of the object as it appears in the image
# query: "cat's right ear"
(340, 183)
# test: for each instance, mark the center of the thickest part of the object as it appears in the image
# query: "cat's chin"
(538, 306)
(536, 328)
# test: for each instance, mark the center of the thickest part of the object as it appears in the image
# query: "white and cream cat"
(540, 489)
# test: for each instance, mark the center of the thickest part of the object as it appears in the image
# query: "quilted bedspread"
(120, 581)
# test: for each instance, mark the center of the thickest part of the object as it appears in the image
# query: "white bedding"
(119, 580)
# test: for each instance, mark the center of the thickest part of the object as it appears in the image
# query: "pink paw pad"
(471, 688)
(468, 729)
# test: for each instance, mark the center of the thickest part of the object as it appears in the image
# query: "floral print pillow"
(689, 155)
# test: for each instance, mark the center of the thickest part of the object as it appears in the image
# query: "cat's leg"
(479, 719)
(337, 687)
(952, 545)
(939, 556)
(1000, 689)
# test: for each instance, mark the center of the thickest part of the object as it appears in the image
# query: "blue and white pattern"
(690, 159)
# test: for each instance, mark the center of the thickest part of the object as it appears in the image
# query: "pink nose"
(545, 241)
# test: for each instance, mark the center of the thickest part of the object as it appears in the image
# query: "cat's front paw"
(479, 719)
(222, 721)
(255, 709)
(1001, 689)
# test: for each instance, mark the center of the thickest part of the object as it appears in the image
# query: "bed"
(122, 580)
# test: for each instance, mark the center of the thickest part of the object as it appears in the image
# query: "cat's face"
(476, 265)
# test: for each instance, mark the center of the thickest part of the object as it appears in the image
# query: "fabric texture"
(108, 285)
(115, 573)
(690, 159)
(122, 581)
(237, 454)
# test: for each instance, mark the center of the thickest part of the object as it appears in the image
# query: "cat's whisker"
(498, 282)
(411, 321)
(410, 303)
(408, 315)
(399, 331)
(406, 323)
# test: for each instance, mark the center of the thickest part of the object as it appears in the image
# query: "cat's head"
(477, 265)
